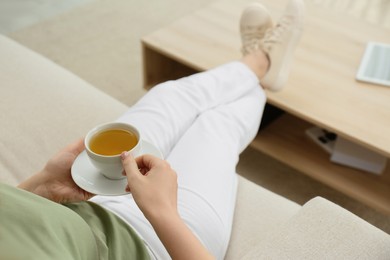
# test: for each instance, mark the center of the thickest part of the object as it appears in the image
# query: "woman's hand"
(153, 184)
(55, 182)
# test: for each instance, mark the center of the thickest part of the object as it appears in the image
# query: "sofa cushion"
(258, 214)
(43, 108)
(324, 230)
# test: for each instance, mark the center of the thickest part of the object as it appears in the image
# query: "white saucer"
(87, 177)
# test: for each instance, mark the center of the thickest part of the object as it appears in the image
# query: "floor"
(18, 14)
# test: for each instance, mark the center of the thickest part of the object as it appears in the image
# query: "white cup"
(111, 165)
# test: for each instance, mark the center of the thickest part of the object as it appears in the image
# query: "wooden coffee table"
(321, 90)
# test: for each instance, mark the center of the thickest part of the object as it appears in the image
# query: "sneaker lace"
(274, 35)
(252, 39)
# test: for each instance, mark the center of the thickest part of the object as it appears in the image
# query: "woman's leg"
(217, 126)
(167, 110)
(205, 160)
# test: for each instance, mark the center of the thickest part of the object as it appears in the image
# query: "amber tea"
(113, 142)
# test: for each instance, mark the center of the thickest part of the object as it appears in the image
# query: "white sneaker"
(280, 44)
(255, 21)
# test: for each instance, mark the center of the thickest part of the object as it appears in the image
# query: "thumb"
(75, 148)
(130, 165)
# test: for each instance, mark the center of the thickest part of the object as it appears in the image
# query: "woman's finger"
(129, 165)
(148, 161)
(76, 147)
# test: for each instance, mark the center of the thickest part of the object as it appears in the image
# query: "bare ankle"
(258, 62)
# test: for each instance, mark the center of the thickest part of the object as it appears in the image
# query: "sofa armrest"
(324, 230)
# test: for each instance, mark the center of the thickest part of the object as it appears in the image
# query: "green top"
(32, 227)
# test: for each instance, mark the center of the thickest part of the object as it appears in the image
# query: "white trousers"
(201, 124)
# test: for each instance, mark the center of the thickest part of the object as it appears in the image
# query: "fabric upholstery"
(324, 230)
(258, 214)
(43, 108)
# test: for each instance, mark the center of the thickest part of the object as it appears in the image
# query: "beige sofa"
(44, 107)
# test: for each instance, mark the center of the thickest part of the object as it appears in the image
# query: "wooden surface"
(321, 90)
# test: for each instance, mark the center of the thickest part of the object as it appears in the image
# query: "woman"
(181, 207)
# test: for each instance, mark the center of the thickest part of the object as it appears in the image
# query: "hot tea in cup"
(105, 143)
(113, 142)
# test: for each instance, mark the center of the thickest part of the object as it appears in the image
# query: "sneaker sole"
(288, 59)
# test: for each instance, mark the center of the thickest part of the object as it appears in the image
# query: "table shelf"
(285, 140)
(159, 67)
